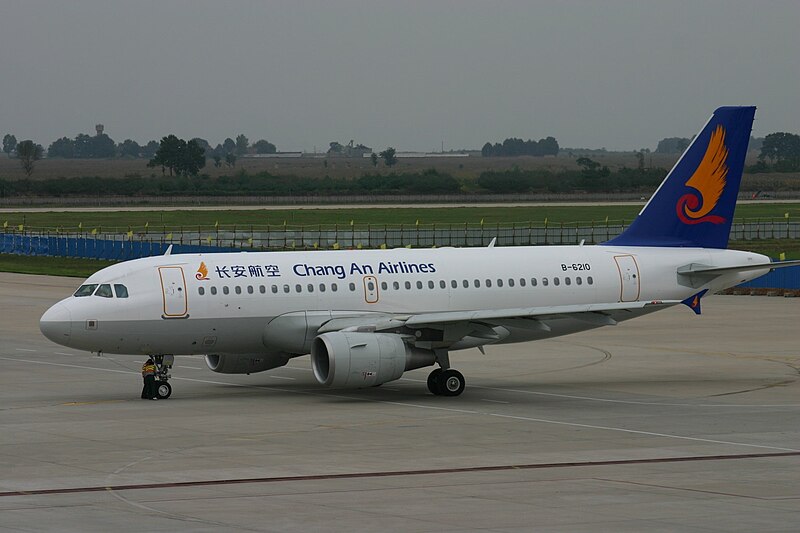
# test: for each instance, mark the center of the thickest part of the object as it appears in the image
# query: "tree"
(9, 143)
(167, 154)
(204, 144)
(228, 145)
(672, 145)
(28, 152)
(129, 148)
(241, 144)
(230, 159)
(180, 157)
(389, 157)
(63, 147)
(264, 147)
(192, 158)
(783, 149)
(217, 160)
(374, 158)
(149, 150)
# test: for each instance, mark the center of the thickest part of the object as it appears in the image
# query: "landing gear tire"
(433, 382)
(163, 390)
(451, 383)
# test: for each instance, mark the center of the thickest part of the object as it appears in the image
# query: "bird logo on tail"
(709, 180)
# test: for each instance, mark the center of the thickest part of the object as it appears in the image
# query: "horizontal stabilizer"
(698, 268)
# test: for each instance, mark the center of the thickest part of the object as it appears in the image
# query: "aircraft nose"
(56, 323)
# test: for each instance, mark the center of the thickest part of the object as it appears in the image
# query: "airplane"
(368, 316)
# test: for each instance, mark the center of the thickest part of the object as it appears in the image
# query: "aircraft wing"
(485, 326)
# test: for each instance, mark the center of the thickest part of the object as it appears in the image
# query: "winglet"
(169, 250)
(693, 302)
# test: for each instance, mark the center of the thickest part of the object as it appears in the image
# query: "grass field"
(311, 216)
(52, 266)
(315, 167)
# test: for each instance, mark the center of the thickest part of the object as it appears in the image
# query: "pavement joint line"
(394, 473)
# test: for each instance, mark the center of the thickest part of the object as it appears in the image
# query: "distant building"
(349, 150)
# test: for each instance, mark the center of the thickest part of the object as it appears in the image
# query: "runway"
(668, 422)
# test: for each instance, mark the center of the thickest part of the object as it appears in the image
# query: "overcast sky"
(410, 74)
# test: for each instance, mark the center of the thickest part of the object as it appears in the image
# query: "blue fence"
(123, 250)
(783, 278)
(114, 250)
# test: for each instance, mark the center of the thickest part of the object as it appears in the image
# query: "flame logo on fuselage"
(709, 180)
(202, 272)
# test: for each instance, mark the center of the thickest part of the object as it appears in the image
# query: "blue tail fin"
(694, 204)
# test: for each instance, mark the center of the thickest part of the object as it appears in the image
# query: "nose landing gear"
(163, 364)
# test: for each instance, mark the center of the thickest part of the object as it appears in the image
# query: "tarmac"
(670, 422)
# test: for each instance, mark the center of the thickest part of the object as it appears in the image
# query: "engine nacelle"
(245, 364)
(353, 360)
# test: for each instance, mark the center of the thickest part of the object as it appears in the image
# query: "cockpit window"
(85, 290)
(121, 290)
(104, 291)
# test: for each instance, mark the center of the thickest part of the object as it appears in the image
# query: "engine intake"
(353, 360)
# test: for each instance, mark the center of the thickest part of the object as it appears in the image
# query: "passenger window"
(298, 288)
(213, 290)
(442, 284)
(310, 287)
(567, 281)
(384, 285)
(533, 282)
(286, 289)
(408, 285)
(334, 287)
(122, 290)
(477, 283)
(370, 286)
(488, 284)
(465, 283)
(556, 282)
(419, 284)
(454, 284)
(396, 285)
(85, 290)
(521, 282)
(263, 290)
(510, 282)
(352, 287)
(499, 282)
(225, 290)
(238, 289)
(249, 289)
(274, 289)
(201, 291)
(321, 287)
(589, 280)
(431, 284)
(545, 282)
(104, 291)
(578, 280)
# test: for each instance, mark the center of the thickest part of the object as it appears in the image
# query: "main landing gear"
(445, 381)
(163, 364)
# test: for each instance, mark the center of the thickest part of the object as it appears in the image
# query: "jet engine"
(353, 360)
(245, 364)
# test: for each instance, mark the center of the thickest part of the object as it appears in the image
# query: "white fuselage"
(251, 303)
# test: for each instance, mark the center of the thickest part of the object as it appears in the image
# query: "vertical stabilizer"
(694, 205)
